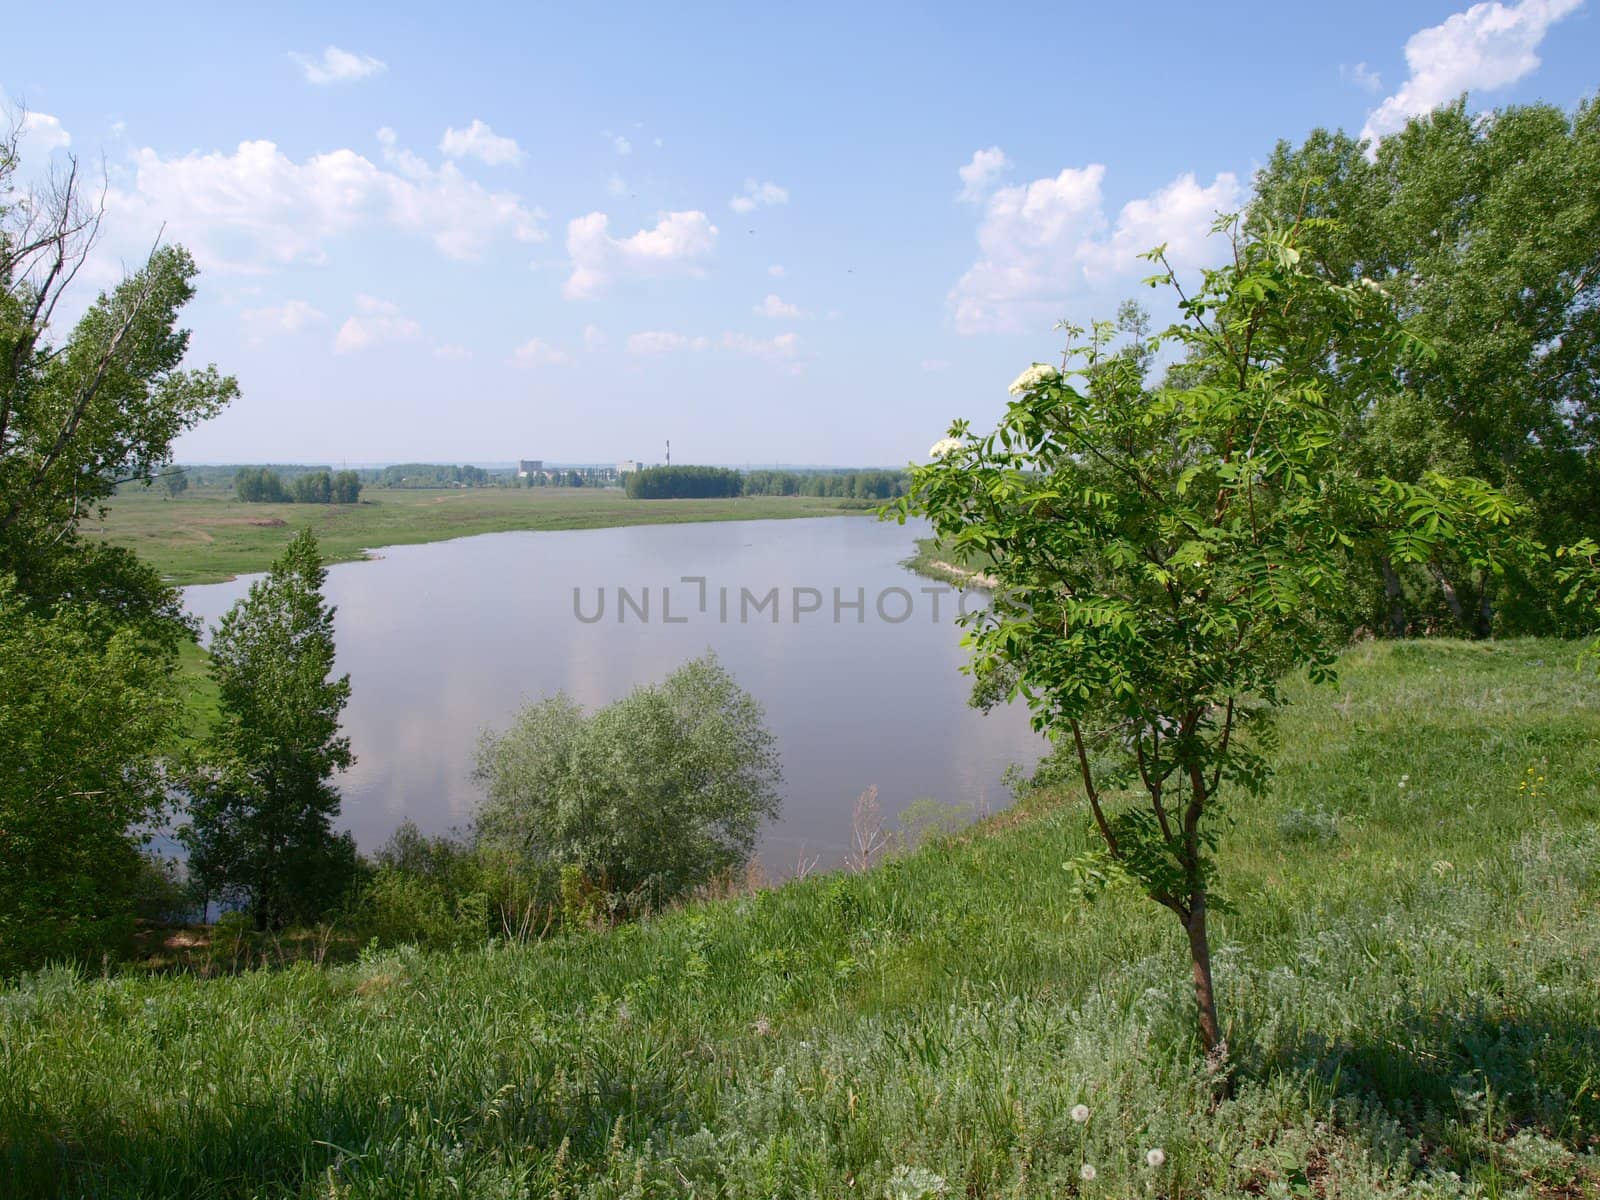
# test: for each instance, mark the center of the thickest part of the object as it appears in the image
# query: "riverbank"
(209, 537)
(1409, 973)
(936, 559)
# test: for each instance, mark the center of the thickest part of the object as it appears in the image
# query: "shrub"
(647, 798)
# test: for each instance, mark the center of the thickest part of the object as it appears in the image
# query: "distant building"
(530, 466)
(627, 465)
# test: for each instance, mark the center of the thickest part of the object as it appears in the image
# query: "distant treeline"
(282, 482)
(263, 486)
(682, 483)
(214, 475)
(685, 483)
(848, 485)
(432, 475)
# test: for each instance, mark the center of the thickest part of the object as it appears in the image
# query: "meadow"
(207, 536)
(1409, 974)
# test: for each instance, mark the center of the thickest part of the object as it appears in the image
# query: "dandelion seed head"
(1155, 1157)
(1087, 1172)
(1080, 1113)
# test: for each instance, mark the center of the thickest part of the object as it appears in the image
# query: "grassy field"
(1410, 981)
(207, 537)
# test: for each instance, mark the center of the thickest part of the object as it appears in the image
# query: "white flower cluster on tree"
(945, 447)
(1030, 379)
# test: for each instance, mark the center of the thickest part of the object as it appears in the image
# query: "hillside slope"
(1411, 981)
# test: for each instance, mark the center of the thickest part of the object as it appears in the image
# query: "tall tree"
(1484, 231)
(88, 632)
(262, 801)
(99, 408)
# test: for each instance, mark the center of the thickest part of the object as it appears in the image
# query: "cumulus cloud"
(374, 323)
(776, 308)
(482, 143)
(256, 208)
(338, 66)
(291, 316)
(1486, 46)
(758, 195)
(663, 341)
(1045, 243)
(535, 352)
(672, 246)
(44, 132)
(980, 174)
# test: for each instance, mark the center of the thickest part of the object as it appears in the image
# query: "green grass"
(207, 536)
(200, 696)
(1410, 980)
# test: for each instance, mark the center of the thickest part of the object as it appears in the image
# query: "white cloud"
(535, 352)
(618, 143)
(1045, 243)
(935, 364)
(758, 195)
(452, 351)
(257, 208)
(44, 132)
(776, 308)
(1363, 76)
(593, 337)
(482, 143)
(1178, 216)
(672, 246)
(773, 349)
(661, 341)
(979, 175)
(776, 270)
(289, 317)
(1487, 46)
(338, 66)
(374, 323)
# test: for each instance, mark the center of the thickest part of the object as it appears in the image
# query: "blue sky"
(799, 234)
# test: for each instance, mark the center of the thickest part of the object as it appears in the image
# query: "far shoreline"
(210, 537)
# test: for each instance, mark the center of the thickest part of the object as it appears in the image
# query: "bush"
(400, 907)
(647, 799)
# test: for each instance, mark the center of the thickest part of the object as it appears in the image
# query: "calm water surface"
(445, 640)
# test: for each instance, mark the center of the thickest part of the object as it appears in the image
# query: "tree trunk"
(1451, 598)
(1486, 609)
(1200, 954)
(1396, 598)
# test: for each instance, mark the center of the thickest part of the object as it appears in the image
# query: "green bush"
(647, 799)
